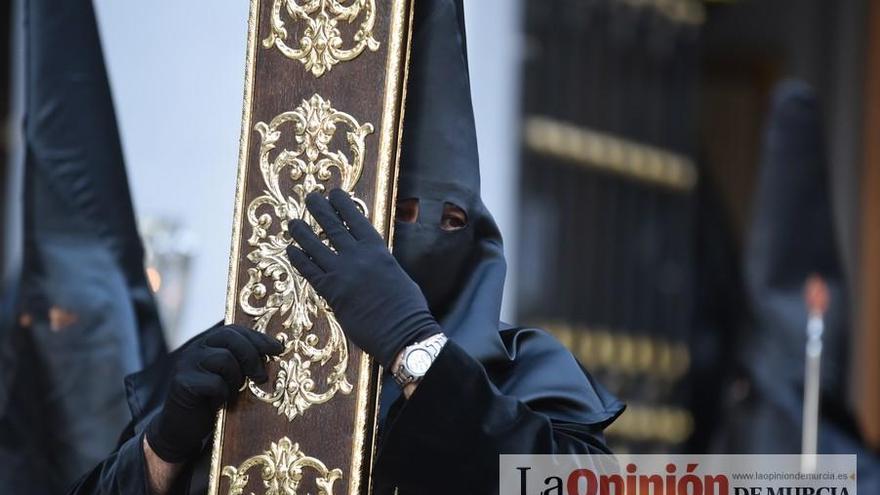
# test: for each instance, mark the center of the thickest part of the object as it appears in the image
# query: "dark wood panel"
(308, 127)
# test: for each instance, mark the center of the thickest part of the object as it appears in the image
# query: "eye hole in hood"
(452, 217)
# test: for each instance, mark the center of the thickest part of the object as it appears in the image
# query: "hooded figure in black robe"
(84, 315)
(494, 388)
(793, 238)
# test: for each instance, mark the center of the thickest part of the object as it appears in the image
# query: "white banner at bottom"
(654, 474)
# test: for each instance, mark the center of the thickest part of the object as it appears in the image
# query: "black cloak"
(792, 238)
(83, 263)
(494, 388)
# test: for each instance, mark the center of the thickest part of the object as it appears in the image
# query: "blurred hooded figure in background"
(84, 315)
(491, 388)
(792, 239)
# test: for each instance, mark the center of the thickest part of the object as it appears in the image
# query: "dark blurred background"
(643, 146)
(644, 163)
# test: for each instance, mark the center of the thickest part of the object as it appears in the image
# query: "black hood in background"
(792, 238)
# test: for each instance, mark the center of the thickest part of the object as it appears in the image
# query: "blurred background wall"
(176, 70)
(643, 132)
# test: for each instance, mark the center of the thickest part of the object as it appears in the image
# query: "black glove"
(378, 305)
(208, 372)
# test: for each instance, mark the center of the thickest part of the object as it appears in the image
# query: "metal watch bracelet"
(417, 358)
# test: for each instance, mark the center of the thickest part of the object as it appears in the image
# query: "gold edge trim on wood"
(403, 84)
(232, 281)
(388, 158)
(360, 422)
(372, 459)
(216, 451)
(387, 144)
(401, 113)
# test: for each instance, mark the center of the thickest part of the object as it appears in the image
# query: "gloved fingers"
(358, 224)
(222, 362)
(245, 352)
(303, 264)
(327, 218)
(311, 245)
(203, 387)
(265, 344)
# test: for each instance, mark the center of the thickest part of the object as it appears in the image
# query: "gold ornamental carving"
(320, 45)
(320, 145)
(281, 469)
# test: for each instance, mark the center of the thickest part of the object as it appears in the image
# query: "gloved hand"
(378, 305)
(209, 372)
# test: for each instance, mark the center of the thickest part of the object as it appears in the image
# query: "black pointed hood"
(793, 234)
(440, 137)
(440, 164)
(82, 248)
(82, 256)
(462, 272)
(792, 238)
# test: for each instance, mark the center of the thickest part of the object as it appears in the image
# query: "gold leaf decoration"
(321, 45)
(282, 469)
(274, 288)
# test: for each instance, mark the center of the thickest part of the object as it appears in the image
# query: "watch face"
(418, 361)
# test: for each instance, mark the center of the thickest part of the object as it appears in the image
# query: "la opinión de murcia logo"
(673, 481)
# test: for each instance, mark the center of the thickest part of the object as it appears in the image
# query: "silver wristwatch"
(417, 359)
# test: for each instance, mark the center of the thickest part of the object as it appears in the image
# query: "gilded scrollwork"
(319, 154)
(281, 469)
(320, 44)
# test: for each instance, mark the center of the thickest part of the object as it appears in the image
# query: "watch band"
(402, 374)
